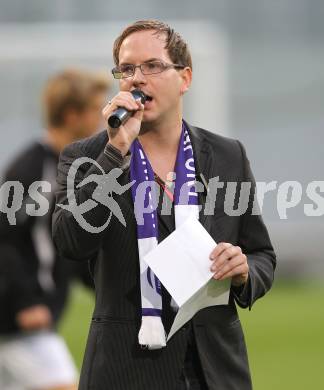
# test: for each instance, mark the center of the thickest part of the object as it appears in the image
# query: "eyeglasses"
(151, 67)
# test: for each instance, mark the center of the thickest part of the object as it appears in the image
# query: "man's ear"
(186, 75)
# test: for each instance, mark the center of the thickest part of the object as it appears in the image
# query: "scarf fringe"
(152, 333)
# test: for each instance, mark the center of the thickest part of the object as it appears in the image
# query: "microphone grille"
(138, 94)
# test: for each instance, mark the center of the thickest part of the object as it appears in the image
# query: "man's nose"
(138, 77)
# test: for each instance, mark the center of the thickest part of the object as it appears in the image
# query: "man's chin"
(145, 129)
(149, 122)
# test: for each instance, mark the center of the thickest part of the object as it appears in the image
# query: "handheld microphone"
(121, 115)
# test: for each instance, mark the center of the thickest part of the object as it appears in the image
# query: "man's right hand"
(122, 137)
(34, 318)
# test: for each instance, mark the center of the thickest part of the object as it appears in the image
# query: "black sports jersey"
(30, 270)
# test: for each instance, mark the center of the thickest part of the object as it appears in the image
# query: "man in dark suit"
(209, 351)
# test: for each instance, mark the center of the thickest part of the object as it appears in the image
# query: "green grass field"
(284, 333)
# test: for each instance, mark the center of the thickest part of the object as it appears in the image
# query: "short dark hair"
(175, 45)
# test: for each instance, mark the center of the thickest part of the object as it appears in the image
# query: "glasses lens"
(127, 70)
(122, 71)
(117, 73)
(152, 67)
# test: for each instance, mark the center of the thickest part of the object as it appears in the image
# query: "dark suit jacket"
(113, 359)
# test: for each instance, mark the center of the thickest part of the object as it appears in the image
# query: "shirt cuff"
(116, 157)
(242, 293)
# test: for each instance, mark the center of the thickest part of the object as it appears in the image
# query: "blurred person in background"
(34, 280)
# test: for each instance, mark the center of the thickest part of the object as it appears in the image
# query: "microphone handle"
(121, 115)
(118, 117)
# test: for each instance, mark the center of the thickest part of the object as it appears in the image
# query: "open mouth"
(148, 98)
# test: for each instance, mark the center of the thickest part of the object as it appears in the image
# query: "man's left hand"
(229, 262)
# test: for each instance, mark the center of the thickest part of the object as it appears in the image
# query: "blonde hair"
(71, 89)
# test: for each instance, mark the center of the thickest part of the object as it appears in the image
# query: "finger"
(241, 270)
(140, 111)
(219, 249)
(230, 265)
(126, 96)
(105, 110)
(129, 104)
(226, 255)
(123, 95)
(126, 101)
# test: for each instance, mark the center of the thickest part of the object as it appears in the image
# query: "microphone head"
(114, 121)
(138, 94)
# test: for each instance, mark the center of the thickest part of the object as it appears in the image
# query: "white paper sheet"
(181, 261)
(213, 293)
(182, 264)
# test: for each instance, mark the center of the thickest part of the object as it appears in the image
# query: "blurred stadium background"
(258, 77)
